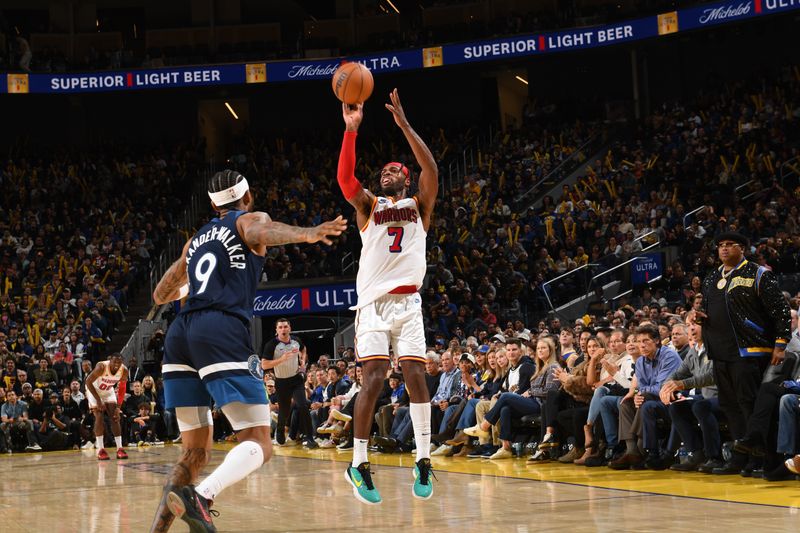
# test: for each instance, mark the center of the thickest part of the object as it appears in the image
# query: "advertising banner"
(645, 269)
(706, 15)
(299, 300)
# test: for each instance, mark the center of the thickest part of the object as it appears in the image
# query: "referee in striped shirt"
(286, 356)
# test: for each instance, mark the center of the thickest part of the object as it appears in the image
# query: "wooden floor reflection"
(305, 491)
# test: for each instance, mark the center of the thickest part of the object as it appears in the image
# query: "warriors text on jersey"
(106, 385)
(393, 252)
(223, 273)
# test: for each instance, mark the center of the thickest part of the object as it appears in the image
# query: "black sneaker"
(751, 445)
(780, 473)
(489, 451)
(478, 452)
(709, 466)
(658, 461)
(186, 504)
(691, 462)
(311, 444)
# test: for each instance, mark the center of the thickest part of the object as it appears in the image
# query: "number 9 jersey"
(223, 273)
(393, 252)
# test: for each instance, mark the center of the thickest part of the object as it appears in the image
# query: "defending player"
(208, 351)
(389, 310)
(106, 392)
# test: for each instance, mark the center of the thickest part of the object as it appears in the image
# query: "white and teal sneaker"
(423, 486)
(363, 488)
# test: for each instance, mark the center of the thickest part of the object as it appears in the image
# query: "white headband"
(231, 194)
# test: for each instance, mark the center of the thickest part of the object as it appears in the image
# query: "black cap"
(733, 236)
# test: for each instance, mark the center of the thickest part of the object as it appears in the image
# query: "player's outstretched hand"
(331, 228)
(352, 114)
(397, 109)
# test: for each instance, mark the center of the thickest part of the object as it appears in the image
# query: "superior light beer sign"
(527, 45)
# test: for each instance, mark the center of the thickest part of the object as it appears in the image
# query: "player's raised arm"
(174, 284)
(352, 189)
(429, 175)
(260, 231)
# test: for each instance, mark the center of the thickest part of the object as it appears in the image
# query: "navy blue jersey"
(223, 272)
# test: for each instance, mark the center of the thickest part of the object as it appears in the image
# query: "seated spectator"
(53, 432)
(342, 411)
(574, 392)
(640, 408)
(449, 381)
(142, 427)
(527, 403)
(614, 379)
(687, 409)
(566, 340)
(399, 398)
(13, 419)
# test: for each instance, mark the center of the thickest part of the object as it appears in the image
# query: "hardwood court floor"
(305, 491)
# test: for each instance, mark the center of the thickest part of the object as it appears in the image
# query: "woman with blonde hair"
(564, 405)
(511, 405)
(489, 442)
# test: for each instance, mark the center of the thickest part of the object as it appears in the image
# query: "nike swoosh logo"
(357, 483)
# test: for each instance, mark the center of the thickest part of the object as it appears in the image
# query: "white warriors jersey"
(393, 251)
(107, 381)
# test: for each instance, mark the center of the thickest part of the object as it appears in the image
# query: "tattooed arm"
(170, 284)
(260, 232)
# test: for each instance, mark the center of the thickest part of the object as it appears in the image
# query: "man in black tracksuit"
(746, 326)
(286, 356)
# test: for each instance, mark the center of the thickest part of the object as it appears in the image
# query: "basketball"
(352, 83)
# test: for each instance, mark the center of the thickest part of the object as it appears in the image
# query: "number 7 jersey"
(393, 251)
(223, 272)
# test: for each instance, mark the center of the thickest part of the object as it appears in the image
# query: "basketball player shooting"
(105, 386)
(389, 310)
(208, 355)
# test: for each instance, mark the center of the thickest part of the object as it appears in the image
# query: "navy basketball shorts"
(209, 355)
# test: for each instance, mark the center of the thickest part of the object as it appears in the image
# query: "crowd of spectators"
(585, 393)
(78, 235)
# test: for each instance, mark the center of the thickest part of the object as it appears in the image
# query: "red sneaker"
(102, 455)
(121, 454)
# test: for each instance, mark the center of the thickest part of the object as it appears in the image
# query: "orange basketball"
(352, 83)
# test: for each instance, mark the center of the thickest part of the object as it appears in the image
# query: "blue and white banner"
(646, 269)
(299, 300)
(323, 69)
(693, 18)
(200, 76)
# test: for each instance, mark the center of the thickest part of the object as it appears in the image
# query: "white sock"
(118, 442)
(421, 420)
(359, 452)
(246, 457)
(99, 443)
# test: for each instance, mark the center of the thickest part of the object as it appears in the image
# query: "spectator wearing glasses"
(746, 326)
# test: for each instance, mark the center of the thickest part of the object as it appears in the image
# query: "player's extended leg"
(113, 414)
(99, 433)
(358, 474)
(251, 423)
(195, 452)
(420, 412)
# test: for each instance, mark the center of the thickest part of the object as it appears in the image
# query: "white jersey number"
(203, 273)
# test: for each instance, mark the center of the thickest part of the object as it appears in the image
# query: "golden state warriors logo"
(741, 282)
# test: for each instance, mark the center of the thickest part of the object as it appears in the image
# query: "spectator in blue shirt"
(14, 416)
(642, 406)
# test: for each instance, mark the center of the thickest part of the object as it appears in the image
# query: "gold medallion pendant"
(721, 283)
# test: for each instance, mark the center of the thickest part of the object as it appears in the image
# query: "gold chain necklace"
(724, 281)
